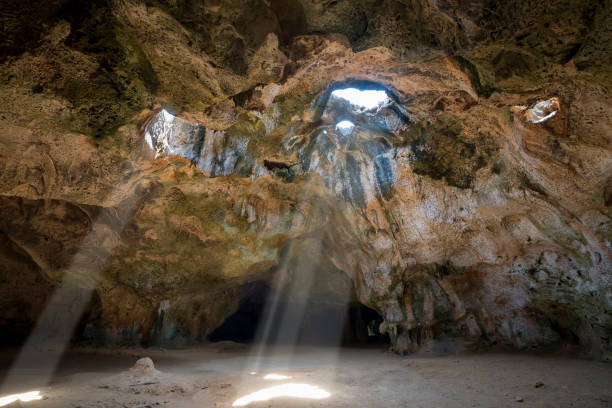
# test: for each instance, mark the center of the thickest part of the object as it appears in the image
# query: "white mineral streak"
(269, 118)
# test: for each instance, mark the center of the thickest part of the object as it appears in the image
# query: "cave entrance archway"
(362, 326)
(324, 324)
(242, 325)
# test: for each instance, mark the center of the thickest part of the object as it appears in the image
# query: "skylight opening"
(345, 127)
(543, 110)
(366, 99)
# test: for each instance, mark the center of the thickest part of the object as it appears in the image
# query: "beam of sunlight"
(278, 334)
(265, 332)
(54, 329)
(280, 325)
(276, 377)
(304, 391)
(301, 277)
(367, 99)
(23, 397)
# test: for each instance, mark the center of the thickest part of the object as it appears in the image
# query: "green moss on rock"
(125, 80)
(443, 151)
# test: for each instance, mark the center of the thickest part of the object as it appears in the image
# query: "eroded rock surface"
(473, 203)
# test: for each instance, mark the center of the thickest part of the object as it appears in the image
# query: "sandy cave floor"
(217, 375)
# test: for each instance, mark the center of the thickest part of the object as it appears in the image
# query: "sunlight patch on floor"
(24, 397)
(276, 377)
(292, 390)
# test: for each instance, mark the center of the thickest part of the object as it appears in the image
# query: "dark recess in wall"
(321, 323)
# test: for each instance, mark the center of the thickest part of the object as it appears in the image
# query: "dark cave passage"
(241, 326)
(361, 326)
(351, 324)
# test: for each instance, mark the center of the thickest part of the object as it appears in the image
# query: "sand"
(218, 375)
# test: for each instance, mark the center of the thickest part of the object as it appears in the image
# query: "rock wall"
(198, 147)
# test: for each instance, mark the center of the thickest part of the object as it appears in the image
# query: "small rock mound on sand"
(144, 367)
(144, 378)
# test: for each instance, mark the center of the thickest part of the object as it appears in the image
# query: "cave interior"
(305, 203)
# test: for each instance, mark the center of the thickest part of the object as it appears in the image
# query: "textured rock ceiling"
(168, 154)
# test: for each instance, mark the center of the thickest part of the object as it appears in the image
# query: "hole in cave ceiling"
(345, 127)
(362, 102)
(367, 99)
(352, 140)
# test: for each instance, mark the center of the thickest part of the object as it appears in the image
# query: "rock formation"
(198, 148)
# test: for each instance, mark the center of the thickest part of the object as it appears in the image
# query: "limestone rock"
(473, 203)
(268, 63)
(144, 367)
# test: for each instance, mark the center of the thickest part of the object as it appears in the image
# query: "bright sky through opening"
(368, 99)
(345, 127)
